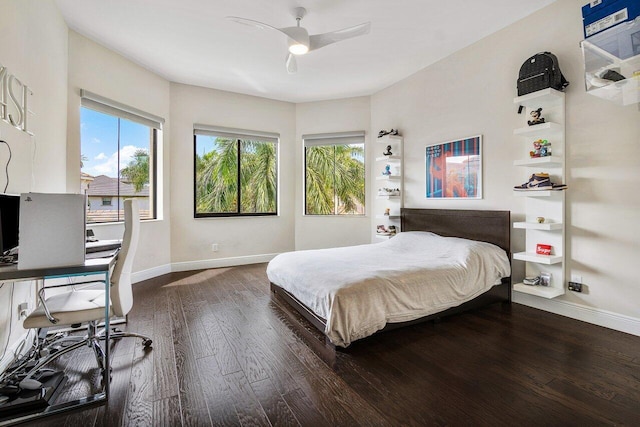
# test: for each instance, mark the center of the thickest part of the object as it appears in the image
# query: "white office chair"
(86, 305)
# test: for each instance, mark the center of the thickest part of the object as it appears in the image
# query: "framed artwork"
(454, 169)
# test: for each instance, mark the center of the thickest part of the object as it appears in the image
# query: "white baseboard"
(221, 262)
(619, 322)
(150, 273)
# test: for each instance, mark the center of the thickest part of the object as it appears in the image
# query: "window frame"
(239, 135)
(335, 139)
(103, 105)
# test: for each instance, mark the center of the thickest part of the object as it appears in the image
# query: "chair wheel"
(147, 343)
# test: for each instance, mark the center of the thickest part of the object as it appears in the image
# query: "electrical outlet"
(23, 309)
(214, 247)
(575, 286)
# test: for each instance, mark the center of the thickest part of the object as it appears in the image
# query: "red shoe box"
(542, 249)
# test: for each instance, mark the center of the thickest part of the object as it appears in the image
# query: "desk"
(91, 266)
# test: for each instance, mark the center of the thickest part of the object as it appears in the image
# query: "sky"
(99, 136)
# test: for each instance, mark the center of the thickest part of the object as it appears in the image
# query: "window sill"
(103, 224)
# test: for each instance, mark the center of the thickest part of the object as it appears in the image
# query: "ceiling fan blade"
(292, 64)
(320, 40)
(252, 23)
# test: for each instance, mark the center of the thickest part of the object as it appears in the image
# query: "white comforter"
(359, 289)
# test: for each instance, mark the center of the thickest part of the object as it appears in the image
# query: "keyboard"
(102, 246)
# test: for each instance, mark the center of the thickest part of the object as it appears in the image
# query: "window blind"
(200, 129)
(114, 108)
(336, 138)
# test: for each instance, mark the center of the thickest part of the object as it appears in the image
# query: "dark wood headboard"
(486, 226)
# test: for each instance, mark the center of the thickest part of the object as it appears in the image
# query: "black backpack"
(540, 72)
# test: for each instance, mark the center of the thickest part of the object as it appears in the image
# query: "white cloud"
(100, 156)
(110, 166)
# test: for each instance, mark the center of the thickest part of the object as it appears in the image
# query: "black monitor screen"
(9, 218)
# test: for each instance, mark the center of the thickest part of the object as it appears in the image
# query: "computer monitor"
(52, 230)
(9, 221)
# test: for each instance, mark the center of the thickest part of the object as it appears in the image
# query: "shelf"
(540, 259)
(536, 193)
(547, 226)
(553, 208)
(540, 291)
(388, 158)
(390, 139)
(383, 236)
(544, 98)
(394, 202)
(548, 161)
(542, 129)
(613, 49)
(624, 92)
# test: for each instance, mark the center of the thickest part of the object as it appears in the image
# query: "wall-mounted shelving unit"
(392, 202)
(549, 204)
(616, 49)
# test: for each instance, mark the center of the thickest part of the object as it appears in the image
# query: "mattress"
(359, 289)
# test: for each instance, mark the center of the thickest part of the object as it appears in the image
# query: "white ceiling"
(191, 42)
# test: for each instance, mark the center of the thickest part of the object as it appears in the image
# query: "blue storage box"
(600, 15)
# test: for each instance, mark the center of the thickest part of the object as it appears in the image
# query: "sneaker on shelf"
(538, 181)
(383, 133)
(382, 231)
(532, 281)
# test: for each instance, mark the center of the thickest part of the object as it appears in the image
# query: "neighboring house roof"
(105, 186)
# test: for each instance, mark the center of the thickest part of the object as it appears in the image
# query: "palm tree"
(258, 177)
(334, 179)
(137, 171)
(216, 178)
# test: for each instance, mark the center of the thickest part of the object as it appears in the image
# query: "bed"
(390, 285)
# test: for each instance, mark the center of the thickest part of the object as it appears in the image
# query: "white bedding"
(359, 289)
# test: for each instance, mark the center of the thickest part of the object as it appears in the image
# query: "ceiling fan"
(300, 42)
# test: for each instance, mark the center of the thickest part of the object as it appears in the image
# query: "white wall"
(351, 114)
(108, 74)
(33, 46)
(471, 92)
(250, 237)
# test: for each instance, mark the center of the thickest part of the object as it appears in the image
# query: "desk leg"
(106, 375)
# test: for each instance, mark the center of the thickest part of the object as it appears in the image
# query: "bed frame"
(487, 226)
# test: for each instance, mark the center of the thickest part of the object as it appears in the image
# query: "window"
(235, 172)
(334, 174)
(118, 158)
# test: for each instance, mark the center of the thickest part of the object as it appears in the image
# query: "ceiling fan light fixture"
(298, 40)
(297, 48)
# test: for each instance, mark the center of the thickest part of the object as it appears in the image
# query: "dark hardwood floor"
(226, 353)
